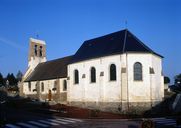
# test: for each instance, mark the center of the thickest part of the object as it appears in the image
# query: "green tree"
(19, 75)
(166, 80)
(1, 80)
(178, 79)
(177, 86)
(12, 80)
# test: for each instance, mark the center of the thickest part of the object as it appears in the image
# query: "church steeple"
(37, 52)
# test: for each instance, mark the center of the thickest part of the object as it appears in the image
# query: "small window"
(42, 87)
(35, 50)
(41, 51)
(112, 72)
(36, 86)
(29, 86)
(55, 84)
(138, 71)
(93, 75)
(64, 85)
(76, 76)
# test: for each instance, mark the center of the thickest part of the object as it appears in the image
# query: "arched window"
(41, 51)
(138, 71)
(36, 86)
(35, 50)
(29, 86)
(42, 87)
(64, 85)
(76, 76)
(93, 75)
(55, 84)
(112, 72)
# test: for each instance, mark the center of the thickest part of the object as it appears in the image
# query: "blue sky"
(65, 24)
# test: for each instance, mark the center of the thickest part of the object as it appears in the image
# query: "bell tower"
(37, 53)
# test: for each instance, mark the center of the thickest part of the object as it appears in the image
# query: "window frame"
(114, 73)
(29, 86)
(92, 75)
(136, 73)
(76, 76)
(41, 51)
(55, 84)
(64, 85)
(36, 50)
(42, 87)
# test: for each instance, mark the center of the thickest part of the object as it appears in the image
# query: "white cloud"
(12, 44)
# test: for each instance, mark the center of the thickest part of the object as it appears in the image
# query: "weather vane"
(126, 23)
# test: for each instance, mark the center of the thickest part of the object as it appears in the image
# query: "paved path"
(45, 123)
(166, 122)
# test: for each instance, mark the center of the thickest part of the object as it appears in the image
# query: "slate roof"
(50, 70)
(115, 43)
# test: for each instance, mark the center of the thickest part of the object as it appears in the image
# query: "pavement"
(166, 122)
(46, 123)
(20, 117)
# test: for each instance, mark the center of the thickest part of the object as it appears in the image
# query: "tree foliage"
(166, 80)
(177, 85)
(19, 75)
(1, 80)
(178, 79)
(11, 79)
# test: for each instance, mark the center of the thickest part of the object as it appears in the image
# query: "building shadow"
(162, 109)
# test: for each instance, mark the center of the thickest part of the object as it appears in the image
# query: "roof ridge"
(104, 35)
(125, 35)
(53, 60)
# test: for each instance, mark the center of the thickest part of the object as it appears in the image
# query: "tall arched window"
(29, 86)
(41, 51)
(76, 76)
(64, 85)
(55, 84)
(93, 75)
(112, 72)
(42, 87)
(138, 71)
(35, 50)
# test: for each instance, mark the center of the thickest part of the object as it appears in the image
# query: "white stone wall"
(48, 84)
(159, 78)
(105, 90)
(150, 88)
(34, 61)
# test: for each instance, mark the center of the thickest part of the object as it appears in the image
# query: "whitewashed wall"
(110, 91)
(48, 84)
(158, 81)
(103, 89)
(151, 85)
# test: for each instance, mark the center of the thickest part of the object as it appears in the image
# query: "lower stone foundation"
(117, 107)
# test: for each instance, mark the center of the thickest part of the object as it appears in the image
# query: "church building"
(115, 72)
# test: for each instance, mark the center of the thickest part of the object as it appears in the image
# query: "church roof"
(50, 70)
(115, 43)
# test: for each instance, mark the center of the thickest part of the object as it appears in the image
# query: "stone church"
(114, 72)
